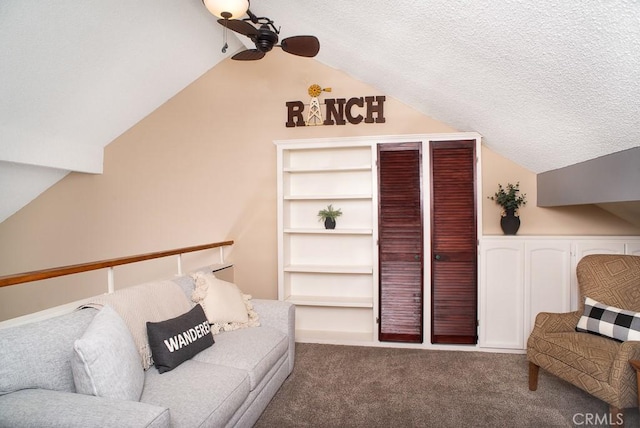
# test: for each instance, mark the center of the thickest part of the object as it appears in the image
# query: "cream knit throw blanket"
(153, 301)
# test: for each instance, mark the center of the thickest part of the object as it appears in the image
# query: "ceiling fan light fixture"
(227, 9)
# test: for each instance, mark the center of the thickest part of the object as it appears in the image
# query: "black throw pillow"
(178, 339)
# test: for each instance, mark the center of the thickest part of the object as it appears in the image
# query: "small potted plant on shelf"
(510, 200)
(328, 215)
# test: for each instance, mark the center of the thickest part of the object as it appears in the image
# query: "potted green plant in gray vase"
(510, 199)
(328, 215)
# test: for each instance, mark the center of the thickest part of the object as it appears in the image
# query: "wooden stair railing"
(37, 275)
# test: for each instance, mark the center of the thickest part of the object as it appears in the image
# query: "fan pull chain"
(224, 38)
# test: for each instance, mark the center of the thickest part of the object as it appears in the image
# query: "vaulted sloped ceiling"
(74, 75)
(547, 83)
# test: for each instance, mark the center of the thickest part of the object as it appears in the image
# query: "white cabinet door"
(633, 248)
(547, 277)
(583, 248)
(502, 294)
(520, 277)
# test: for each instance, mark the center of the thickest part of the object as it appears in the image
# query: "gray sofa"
(228, 384)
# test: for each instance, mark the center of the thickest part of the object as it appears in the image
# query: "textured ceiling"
(547, 83)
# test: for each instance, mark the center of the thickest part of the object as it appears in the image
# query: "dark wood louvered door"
(400, 243)
(453, 242)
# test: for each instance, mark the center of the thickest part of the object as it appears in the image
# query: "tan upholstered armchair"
(598, 365)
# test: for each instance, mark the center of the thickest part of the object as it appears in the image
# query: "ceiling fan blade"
(239, 26)
(248, 55)
(308, 46)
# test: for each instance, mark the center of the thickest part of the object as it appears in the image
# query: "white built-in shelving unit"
(328, 274)
(332, 275)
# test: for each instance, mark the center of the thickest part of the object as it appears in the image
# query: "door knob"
(416, 257)
(438, 257)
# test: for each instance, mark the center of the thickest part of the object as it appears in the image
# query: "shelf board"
(325, 197)
(353, 269)
(332, 301)
(327, 169)
(329, 231)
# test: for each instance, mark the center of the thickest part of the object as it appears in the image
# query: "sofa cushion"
(255, 350)
(106, 362)
(609, 321)
(152, 301)
(38, 355)
(178, 339)
(198, 394)
(44, 408)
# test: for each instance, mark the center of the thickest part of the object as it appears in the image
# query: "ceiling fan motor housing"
(265, 39)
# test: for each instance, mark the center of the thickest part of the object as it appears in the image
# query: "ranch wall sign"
(338, 111)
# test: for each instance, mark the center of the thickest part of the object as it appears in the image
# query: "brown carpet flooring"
(349, 386)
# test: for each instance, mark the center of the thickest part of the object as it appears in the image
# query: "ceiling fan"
(265, 38)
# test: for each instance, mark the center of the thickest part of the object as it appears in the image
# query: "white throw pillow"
(105, 361)
(221, 300)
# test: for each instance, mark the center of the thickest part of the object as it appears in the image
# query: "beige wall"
(574, 220)
(200, 169)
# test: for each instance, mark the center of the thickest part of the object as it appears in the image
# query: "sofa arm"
(548, 322)
(281, 316)
(45, 408)
(277, 314)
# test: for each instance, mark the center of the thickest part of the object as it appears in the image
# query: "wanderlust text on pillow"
(187, 337)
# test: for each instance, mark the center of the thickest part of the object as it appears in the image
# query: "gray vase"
(329, 223)
(510, 223)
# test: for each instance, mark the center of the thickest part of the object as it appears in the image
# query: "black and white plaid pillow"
(609, 321)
